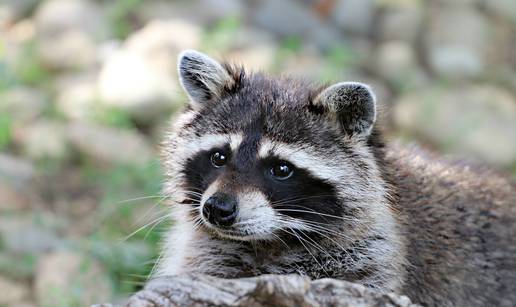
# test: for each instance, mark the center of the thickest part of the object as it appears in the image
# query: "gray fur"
(202, 78)
(353, 104)
(443, 233)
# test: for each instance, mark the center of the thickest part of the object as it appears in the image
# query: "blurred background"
(87, 89)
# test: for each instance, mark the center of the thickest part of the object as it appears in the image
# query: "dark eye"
(282, 170)
(218, 159)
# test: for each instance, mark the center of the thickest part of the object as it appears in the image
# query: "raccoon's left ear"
(352, 104)
(202, 78)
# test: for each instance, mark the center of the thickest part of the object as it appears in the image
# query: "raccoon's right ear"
(202, 78)
(352, 104)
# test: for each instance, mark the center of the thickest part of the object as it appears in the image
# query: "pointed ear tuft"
(353, 104)
(202, 78)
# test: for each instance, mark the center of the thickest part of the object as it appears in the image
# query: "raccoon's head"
(260, 158)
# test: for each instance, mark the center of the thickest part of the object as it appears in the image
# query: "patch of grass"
(221, 35)
(121, 16)
(29, 69)
(293, 44)
(7, 79)
(337, 59)
(114, 117)
(288, 47)
(17, 266)
(129, 260)
(5, 130)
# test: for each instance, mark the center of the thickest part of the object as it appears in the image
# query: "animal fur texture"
(319, 194)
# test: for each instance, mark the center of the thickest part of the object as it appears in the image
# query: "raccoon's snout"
(220, 209)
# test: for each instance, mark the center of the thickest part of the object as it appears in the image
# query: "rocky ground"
(87, 88)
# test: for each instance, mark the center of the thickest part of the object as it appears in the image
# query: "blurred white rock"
(303, 65)
(475, 120)
(161, 36)
(55, 17)
(130, 82)
(140, 79)
(107, 145)
(68, 278)
(254, 58)
(71, 50)
(77, 96)
(68, 31)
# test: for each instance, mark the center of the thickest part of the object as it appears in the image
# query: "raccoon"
(279, 175)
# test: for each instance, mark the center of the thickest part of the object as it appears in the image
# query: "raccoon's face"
(256, 158)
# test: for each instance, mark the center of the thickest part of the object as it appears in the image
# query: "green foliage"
(121, 14)
(292, 45)
(17, 266)
(29, 69)
(337, 59)
(113, 117)
(5, 130)
(220, 37)
(125, 201)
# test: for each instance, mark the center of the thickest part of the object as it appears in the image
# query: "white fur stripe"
(321, 167)
(210, 141)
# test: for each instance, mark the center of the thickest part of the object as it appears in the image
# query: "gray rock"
(354, 16)
(401, 20)
(23, 104)
(476, 121)
(44, 139)
(396, 63)
(457, 40)
(13, 293)
(194, 11)
(109, 145)
(16, 171)
(70, 279)
(291, 18)
(503, 8)
(13, 10)
(20, 234)
(222, 9)
(12, 198)
(55, 17)
(266, 290)
(71, 50)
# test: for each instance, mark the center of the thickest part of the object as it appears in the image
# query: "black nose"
(220, 209)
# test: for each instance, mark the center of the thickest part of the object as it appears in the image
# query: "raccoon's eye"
(282, 170)
(218, 159)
